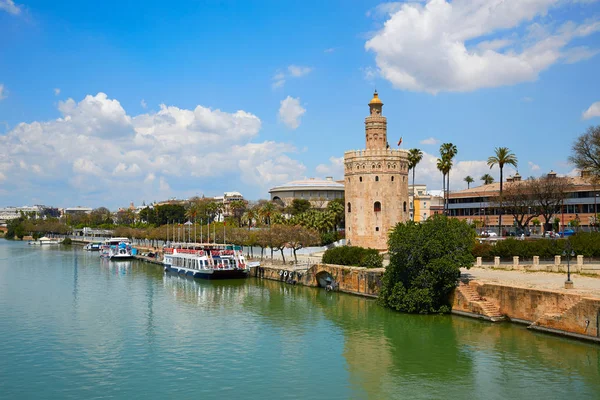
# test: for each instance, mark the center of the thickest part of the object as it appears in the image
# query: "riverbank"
(537, 299)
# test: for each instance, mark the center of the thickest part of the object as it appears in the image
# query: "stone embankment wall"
(556, 312)
(355, 280)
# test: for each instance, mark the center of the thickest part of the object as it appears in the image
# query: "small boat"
(116, 249)
(92, 246)
(206, 262)
(44, 241)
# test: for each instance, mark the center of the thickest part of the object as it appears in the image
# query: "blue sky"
(103, 103)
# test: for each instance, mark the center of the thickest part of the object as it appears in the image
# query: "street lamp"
(568, 252)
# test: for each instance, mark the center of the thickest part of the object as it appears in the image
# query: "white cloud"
(533, 166)
(335, 168)
(592, 111)
(369, 73)
(143, 104)
(298, 71)
(97, 153)
(430, 141)
(56, 91)
(10, 7)
(460, 56)
(3, 92)
(329, 50)
(527, 99)
(290, 112)
(293, 71)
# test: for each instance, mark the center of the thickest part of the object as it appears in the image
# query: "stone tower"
(376, 185)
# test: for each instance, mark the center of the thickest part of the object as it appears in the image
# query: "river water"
(74, 326)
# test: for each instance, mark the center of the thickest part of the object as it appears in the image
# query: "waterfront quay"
(536, 299)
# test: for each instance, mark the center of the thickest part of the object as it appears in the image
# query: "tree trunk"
(448, 191)
(413, 195)
(295, 257)
(501, 209)
(282, 255)
(444, 190)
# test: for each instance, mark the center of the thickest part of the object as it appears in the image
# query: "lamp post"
(568, 252)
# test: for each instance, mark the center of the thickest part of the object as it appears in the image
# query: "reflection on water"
(87, 327)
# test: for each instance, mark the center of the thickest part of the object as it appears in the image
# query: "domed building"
(318, 191)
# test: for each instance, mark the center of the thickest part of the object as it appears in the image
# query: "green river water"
(74, 326)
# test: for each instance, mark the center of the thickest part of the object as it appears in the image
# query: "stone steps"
(489, 310)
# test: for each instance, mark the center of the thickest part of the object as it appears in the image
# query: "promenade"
(583, 285)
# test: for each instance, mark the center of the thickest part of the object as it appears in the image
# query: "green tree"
(442, 166)
(414, 157)
(425, 262)
(238, 207)
(469, 180)
(299, 206)
(336, 208)
(502, 156)
(487, 179)
(448, 151)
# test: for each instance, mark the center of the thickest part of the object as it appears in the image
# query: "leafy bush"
(66, 241)
(353, 255)
(328, 238)
(425, 262)
(371, 260)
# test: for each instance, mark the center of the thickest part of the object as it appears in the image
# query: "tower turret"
(376, 125)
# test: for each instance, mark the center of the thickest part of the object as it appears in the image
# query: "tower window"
(349, 207)
(376, 179)
(404, 206)
(360, 179)
(392, 179)
(348, 179)
(377, 206)
(376, 229)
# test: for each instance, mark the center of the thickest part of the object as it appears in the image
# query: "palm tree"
(414, 157)
(441, 166)
(487, 179)
(503, 156)
(469, 180)
(267, 211)
(250, 216)
(448, 151)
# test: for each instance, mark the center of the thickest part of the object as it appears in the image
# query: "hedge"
(584, 243)
(354, 256)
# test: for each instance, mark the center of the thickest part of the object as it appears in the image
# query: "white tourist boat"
(118, 248)
(206, 261)
(93, 247)
(44, 241)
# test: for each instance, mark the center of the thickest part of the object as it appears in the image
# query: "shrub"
(354, 256)
(66, 241)
(328, 238)
(425, 262)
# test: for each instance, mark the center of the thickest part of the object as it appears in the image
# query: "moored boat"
(44, 241)
(206, 262)
(92, 246)
(117, 249)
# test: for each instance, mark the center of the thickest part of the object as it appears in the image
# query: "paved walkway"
(584, 285)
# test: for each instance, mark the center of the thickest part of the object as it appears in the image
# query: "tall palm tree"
(414, 157)
(250, 216)
(448, 151)
(487, 179)
(503, 156)
(441, 166)
(469, 180)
